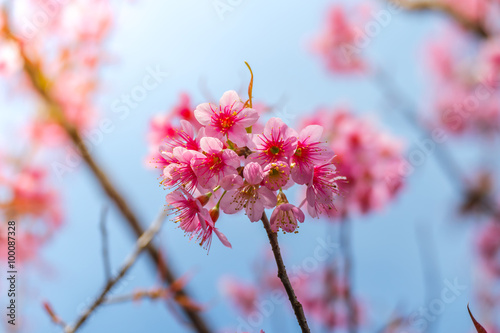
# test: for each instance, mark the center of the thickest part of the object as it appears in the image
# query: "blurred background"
(404, 251)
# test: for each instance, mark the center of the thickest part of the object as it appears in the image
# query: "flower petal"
(203, 113)
(211, 145)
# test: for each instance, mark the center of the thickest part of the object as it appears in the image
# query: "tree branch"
(282, 274)
(39, 83)
(477, 27)
(142, 243)
(105, 245)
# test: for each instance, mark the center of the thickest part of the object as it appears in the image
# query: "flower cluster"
(222, 161)
(488, 246)
(338, 43)
(27, 199)
(469, 95)
(370, 159)
(64, 41)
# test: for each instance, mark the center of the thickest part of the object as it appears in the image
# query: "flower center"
(226, 122)
(274, 150)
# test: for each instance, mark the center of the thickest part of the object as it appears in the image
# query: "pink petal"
(267, 197)
(254, 211)
(248, 117)
(230, 158)
(311, 133)
(203, 113)
(231, 98)
(222, 238)
(310, 196)
(238, 135)
(302, 174)
(231, 182)
(298, 214)
(211, 145)
(272, 220)
(253, 173)
(231, 203)
(212, 132)
(187, 127)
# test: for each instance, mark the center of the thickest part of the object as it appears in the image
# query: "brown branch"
(105, 246)
(142, 243)
(282, 274)
(41, 85)
(477, 27)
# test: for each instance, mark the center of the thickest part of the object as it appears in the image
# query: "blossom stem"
(283, 275)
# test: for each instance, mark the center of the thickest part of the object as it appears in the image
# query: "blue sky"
(190, 41)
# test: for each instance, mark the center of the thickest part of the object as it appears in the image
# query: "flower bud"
(214, 214)
(203, 199)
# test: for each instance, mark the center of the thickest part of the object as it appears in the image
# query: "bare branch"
(39, 82)
(105, 245)
(474, 26)
(282, 274)
(142, 243)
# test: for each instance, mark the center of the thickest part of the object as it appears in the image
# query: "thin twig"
(345, 243)
(475, 26)
(105, 244)
(282, 274)
(430, 267)
(39, 83)
(443, 157)
(142, 243)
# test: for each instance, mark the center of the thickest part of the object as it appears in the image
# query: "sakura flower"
(488, 243)
(366, 156)
(230, 119)
(322, 190)
(216, 164)
(285, 215)
(243, 295)
(250, 195)
(190, 212)
(277, 143)
(185, 137)
(204, 235)
(310, 151)
(276, 175)
(178, 170)
(337, 43)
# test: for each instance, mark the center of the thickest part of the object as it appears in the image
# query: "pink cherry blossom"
(367, 157)
(243, 295)
(322, 190)
(488, 243)
(337, 43)
(178, 170)
(249, 195)
(285, 216)
(216, 164)
(276, 175)
(310, 151)
(277, 142)
(189, 211)
(230, 119)
(204, 236)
